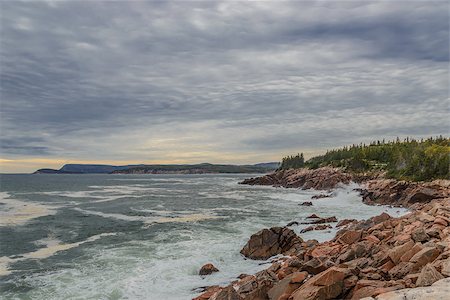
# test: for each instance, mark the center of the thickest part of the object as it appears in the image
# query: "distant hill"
(156, 169)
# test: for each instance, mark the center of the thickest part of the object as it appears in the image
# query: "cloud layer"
(217, 81)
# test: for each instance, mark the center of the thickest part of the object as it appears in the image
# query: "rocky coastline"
(379, 258)
(375, 189)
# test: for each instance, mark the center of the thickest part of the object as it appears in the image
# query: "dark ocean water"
(142, 236)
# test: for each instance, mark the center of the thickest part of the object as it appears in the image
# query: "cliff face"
(365, 259)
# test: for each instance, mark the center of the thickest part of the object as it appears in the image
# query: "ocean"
(144, 236)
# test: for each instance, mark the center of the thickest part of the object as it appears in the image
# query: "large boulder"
(269, 242)
(207, 269)
(326, 285)
(428, 276)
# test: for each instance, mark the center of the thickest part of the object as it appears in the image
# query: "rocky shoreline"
(379, 258)
(375, 189)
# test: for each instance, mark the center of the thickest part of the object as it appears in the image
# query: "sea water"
(144, 236)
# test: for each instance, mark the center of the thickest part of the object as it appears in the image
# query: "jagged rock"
(350, 237)
(345, 222)
(396, 253)
(324, 220)
(411, 252)
(210, 291)
(370, 288)
(287, 285)
(424, 256)
(227, 293)
(320, 196)
(419, 235)
(208, 269)
(270, 242)
(439, 290)
(315, 266)
(402, 193)
(376, 255)
(326, 285)
(317, 227)
(306, 203)
(313, 216)
(325, 178)
(446, 267)
(428, 276)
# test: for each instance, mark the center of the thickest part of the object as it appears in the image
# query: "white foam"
(166, 266)
(52, 246)
(16, 212)
(194, 217)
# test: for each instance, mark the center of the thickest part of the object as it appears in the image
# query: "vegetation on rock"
(410, 159)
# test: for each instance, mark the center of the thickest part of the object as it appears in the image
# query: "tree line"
(410, 159)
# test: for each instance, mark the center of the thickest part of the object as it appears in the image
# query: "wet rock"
(306, 203)
(270, 242)
(324, 220)
(345, 222)
(292, 223)
(208, 293)
(320, 196)
(317, 227)
(208, 269)
(313, 216)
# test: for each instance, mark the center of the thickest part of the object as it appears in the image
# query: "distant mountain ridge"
(160, 169)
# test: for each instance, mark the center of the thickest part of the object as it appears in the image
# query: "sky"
(215, 81)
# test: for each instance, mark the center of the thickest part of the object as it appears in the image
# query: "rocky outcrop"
(403, 193)
(370, 258)
(373, 191)
(320, 179)
(269, 242)
(207, 269)
(438, 290)
(316, 227)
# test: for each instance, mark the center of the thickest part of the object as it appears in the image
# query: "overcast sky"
(221, 82)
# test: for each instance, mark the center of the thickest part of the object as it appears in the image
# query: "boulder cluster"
(366, 259)
(403, 193)
(375, 189)
(325, 178)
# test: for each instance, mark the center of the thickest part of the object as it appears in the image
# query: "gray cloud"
(225, 77)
